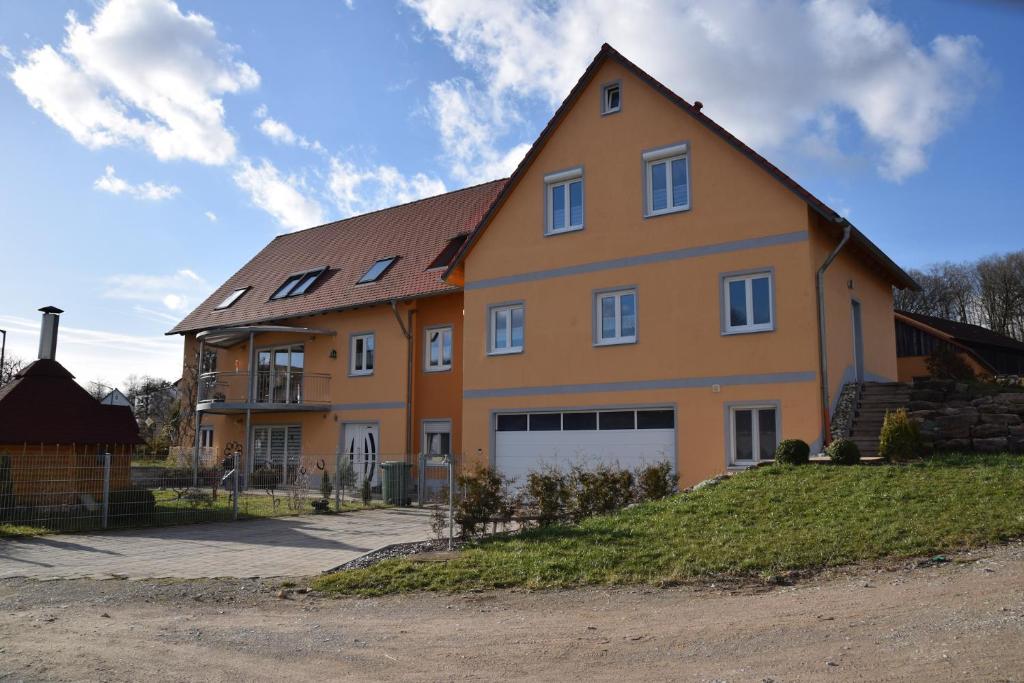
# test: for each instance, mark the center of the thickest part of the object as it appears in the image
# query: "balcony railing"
(269, 388)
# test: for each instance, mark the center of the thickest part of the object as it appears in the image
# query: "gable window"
(298, 284)
(439, 349)
(564, 203)
(362, 353)
(231, 298)
(506, 329)
(611, 98)
(615, 317)
(667, 178)
(377, 270)
(754, 434)
(748, 303)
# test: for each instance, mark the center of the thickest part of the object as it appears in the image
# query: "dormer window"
(611, 98)
(377, 270)
(297, 284)
(231, 298)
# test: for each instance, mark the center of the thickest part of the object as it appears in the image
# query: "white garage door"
(526, 442)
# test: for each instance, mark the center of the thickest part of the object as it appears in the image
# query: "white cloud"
(210, 216)
(282, 197)
(6, 53)
(176, 292)
(140, 72)
(109, 182)
(358, 190)
(766, 71)
(98, 354)
(281, 132)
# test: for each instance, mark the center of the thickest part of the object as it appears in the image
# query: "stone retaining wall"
(961, 416)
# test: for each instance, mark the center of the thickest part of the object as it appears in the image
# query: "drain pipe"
(826, 417)
(407, 332)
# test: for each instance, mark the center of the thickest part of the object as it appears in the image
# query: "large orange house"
(644, 287)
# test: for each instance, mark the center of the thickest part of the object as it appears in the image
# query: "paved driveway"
(282, 546)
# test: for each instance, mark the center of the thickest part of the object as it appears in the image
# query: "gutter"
(826, 418)
(407, 333)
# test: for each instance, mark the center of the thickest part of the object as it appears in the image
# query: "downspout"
(826, 417)
(407, 332)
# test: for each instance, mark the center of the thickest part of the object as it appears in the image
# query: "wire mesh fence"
(62, 489)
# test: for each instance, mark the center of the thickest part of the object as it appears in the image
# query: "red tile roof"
(44, 404)
(416, 233)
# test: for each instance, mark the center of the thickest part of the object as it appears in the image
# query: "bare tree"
(11, 367)
(98, 389)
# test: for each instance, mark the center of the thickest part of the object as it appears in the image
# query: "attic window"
(232, 298)
(377, 270)
(444, 259)
(611, 98)
(297, 284)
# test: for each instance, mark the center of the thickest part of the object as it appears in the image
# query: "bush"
(484, 499)
(365, 491)
(600, 491)
(843, 452)
(944, 362)
(654, 482)
(901, 437)
(133, 502)
(793, 452)
(325, 486)
(549, 492)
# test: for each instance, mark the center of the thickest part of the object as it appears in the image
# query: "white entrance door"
(361, 443)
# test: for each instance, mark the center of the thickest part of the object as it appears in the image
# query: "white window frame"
(356, 369)
(430, 363)
(755, 425)
(563, 179)
(206, 436)
(747, 279)
(605, 90)
(666, 155)
(492, 318)
(619, 338)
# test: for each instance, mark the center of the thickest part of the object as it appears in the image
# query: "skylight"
(232, 298)
(297, 284)
(377, 270)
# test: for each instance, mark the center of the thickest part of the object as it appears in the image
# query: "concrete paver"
(280, 546)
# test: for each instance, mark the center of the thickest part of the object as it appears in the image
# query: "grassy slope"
(759, 522)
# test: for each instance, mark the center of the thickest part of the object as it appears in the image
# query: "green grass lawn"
(757, 523)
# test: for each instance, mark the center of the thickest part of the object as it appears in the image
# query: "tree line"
(987, 292)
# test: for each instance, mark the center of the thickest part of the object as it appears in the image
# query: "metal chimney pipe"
(48, 333)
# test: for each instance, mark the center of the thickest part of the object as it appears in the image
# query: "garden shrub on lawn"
(549, 493)
(485, 499)
(900, 440)
(655, 482)
(843, 452)
(793, 452)
(601, 490)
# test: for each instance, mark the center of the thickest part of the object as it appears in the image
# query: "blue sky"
(151, 148)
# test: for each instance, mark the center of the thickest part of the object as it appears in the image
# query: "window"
(748, 303)
(564, 201)
(615, 317)
(655, 419)
(581, 421)
(506, 329)
(297, 284)
(279, 373)
(206, 437)
(618, 419)
(444, 259)
(231, 298)
(377, 270)
(362, 354)
(668, 180)
(439, 349)
(754, 434)
(437, 437)
(512, 423)
(546, 422)
(611, 98)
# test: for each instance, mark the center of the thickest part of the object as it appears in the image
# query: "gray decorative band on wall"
(646, 259)
(682, 383)
(388, 405)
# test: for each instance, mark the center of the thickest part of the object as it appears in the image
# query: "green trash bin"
(395, 482)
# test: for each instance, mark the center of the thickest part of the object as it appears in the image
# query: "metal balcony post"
(199, 414)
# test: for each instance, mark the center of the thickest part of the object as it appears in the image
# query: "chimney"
(698, 105)
(48, 333)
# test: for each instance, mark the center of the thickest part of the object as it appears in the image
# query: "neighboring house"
(53, 433)
(116, 398)
(985, 352)
(644, 287)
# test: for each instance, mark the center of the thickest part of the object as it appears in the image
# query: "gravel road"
(956, 620)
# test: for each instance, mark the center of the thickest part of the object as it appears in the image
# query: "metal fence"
(51, 489)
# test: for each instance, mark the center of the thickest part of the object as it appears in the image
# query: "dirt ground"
(958, 620)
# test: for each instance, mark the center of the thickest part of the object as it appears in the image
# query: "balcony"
(229, 392)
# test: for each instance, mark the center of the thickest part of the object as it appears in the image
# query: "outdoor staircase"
(875, 399)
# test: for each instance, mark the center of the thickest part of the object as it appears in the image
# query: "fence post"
(106, 488)
(451, 502)
(337, 482)
(234, 484)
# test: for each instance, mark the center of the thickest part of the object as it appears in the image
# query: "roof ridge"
(388, 208)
